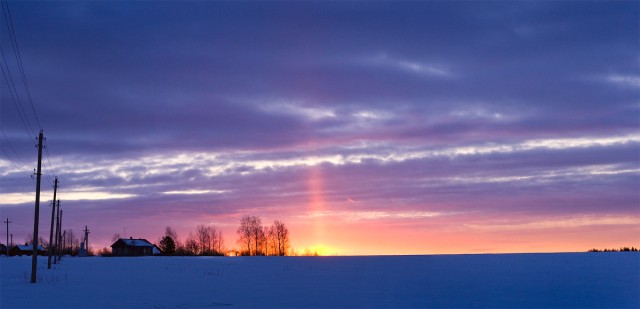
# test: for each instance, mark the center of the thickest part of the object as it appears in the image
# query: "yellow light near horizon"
(322, 250)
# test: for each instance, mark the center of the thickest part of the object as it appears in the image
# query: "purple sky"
(439, 121)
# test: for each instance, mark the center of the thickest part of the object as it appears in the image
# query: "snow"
(464, 281)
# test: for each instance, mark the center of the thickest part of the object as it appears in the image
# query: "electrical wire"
(8, 142)
(47, 167)
(15, 97)
(13, 163)
(16, 52)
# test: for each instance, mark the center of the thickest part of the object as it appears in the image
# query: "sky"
(379, 127)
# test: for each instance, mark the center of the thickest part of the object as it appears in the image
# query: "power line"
(16, 52)
(47, 156)
(15, 97)
(8, 142)
(13, 164)
(16, 166)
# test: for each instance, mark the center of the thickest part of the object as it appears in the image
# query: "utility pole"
(85, 243)
(53, 212)
(55, 258)
(11, 240)
(7, 222)
(62, 239)
(34, 256)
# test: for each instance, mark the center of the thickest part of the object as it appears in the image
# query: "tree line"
(70, 243)
(254, 239)
(622, 249)
(208, 240)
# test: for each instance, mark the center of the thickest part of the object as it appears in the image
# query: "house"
(133, 247)
(3, 249)
(26, 250)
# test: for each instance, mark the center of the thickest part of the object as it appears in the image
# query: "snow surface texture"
(462, 281)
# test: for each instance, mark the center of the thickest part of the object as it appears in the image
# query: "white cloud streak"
(624, 80)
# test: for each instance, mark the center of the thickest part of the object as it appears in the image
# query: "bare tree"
(190, 245)
(220, 243)
(244, 235)
(168, 231)
(43, 242)
(71, 243)
(204, 239)
(281, 237)
(256, 240)
(171, 233)
(215, 241)
(258, 235)
(251, 236)
(29, 239)
(270, 248)
(115, 237)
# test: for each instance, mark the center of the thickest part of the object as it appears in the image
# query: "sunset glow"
(368, 128)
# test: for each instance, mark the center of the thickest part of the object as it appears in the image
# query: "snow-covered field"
(463, 281)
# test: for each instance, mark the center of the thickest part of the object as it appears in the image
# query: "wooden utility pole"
(85, 243)
(55, 257)
(62, 240)
(53, 213)
(34, 257)
(7, 222)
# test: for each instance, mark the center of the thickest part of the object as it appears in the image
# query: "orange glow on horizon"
(464, 234)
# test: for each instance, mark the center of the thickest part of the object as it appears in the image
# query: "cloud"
(421, 68)
(625, 80)
(370, 215)
(217, 109)
(308, 112)
(191, 192)
(74, 195)
(564, 223)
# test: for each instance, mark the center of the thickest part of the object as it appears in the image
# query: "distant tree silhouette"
(167, 245)
(216, 241)
(115, 237)
(257, 240)
(281, 237)
(251, 236)
(276, 239)
(203, 237)
(168, 231)
(210, 240)
(105, 252)
(190, 245)
(622, 249)
(270, 243)
(244, 235)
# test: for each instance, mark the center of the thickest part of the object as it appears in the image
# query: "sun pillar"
(317, 203)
